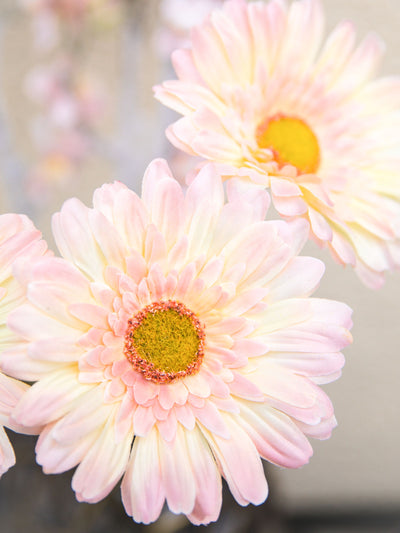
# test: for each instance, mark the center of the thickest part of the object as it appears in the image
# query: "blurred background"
(76, 110)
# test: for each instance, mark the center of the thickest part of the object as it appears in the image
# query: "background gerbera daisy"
(20, 242)
(259, 89)
(175, 342)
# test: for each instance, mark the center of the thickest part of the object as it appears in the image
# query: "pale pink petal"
(186, 96)
(174, 393)
(57, 457)
(49, 398)
(304, 25)
(82, 419)
(29, 323)
(206, 44)
(319, 225)
(284, 188)
(124, 418)
(362, 65)
(290, 206)
(239, 191)
(62, 274)
(142, 490)
(127, 212)
(279, 383)
(336, 52)
(16, 362)
(321, 431)
(253, 246)
(300, 278)
(92, 314)
(197, 385)
(310, 364)
(342, 249)
(168, 427)
(155, 248)
(55, 350)
(11, 391)
(144, 390)
(203, 202)
(311, 337)
(7, 456)
(53, 301)
(240, 464)
(233, 30)
(370, 277)
(108, 239)
(104, 198)
(102, 466)
(164, 199)
(177, 478)
(207, 478)
(75, 240)
(275, 435)
(215, 146)
(184, 66)
(370, 250)
(184, 415)
(210, 417)
(182, 129)
(143, 420)
(244, 388)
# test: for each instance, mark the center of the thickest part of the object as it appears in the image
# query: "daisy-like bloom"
(258, 89)
(20, 242)
(175, 342)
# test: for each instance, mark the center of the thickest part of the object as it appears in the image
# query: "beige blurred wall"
(360, 464)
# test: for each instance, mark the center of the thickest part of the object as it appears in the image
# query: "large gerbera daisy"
(175, 342)
(258, 89)
(20, 242)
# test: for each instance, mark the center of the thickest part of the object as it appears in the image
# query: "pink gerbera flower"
(19, 243)
(175, 342)
(259, 89)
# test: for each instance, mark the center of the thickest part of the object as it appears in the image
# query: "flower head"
(175, 342)
(19, 243)
(259, 90)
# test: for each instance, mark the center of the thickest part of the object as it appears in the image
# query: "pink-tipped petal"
(240, 464)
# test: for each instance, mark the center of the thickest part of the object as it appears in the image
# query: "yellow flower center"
(292, 141)
(165, 341)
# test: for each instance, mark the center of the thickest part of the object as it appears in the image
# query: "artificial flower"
(174, 342)
(20, 242)
(259, 89)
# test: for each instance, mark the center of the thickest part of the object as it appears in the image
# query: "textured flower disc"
(175, 343)
(165, 341)
(261, 93)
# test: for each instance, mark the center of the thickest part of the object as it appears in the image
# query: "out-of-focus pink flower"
(50, 16)
(182, 325)
(259, 89)
(20, 243)
(73, 106)
(70, 99)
